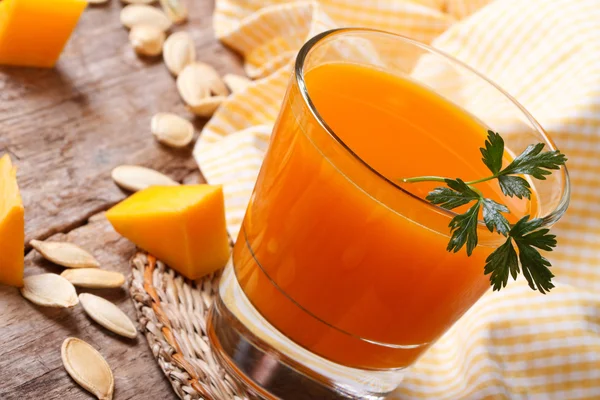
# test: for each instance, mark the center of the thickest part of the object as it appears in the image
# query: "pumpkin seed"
(65, 254)
(191, 86)
(97, 2)
(207, 106)
(49, 290)
(108, 315)
(236, 83)
(198, 81)
(134, 178)
(172, 130)
(147, 40)
(88, 368)
(142, 14)
(94, 278)
(179, 51)
(175, 10)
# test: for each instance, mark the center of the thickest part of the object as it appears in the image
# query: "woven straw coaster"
(172, 312)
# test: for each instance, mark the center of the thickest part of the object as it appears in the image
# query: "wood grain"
(66, 129)
(31, 336)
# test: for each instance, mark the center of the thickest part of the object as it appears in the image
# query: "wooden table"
(66, 129)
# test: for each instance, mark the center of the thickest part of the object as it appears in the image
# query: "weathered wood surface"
(66, 128)
(31, 336)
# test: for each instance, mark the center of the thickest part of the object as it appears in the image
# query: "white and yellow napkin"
(513, 344)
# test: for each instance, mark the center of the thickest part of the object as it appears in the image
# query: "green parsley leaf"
(457, 195)
(493, 218)
(493, 152)
(464, 230)
(514, 186)
(535, 268)
(524, 226)
(540, 239)
(527, 235)
(500, 263)
(535, 163)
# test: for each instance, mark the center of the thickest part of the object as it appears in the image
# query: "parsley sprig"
(526, 234)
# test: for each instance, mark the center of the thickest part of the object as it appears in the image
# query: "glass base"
(271, 366)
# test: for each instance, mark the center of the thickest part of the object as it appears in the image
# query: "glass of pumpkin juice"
(340, 277)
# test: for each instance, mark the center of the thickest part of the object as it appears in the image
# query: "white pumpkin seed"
(65, 254)
(179, 51)
(175, 10)
(172, 130)
(88, 368)
(142, 14)
(147, 40)
(191, 86)
(198, 81)
(49, 290)
(108, 315)
(138, 1)
(134, 178)
(236, 83)
(94, 278)
(207, 106)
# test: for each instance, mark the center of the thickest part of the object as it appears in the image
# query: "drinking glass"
(340, 278)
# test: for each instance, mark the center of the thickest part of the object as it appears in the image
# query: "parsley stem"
(489, 178)
(443, 179)
(424, 179)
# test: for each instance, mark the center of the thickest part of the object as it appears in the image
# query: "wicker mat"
(172, 313)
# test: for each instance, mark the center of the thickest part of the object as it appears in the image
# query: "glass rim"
(548, 219)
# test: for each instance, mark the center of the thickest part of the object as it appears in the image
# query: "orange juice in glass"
(340, 276)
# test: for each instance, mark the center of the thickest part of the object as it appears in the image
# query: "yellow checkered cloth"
(513, 344)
